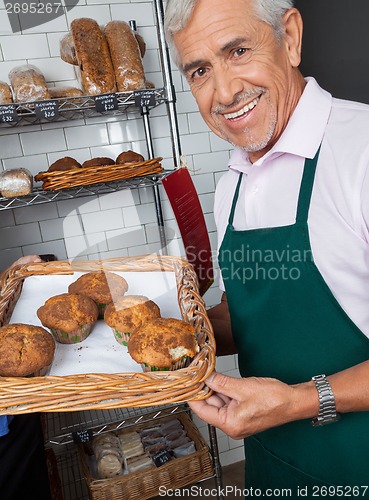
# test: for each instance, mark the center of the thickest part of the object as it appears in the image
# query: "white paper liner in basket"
(93, 391)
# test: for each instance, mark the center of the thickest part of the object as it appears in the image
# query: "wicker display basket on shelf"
(86, 176)
(95, 391)
(151, 482)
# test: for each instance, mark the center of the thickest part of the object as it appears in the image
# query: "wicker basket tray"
(94, 175)
(177, 473)
(120, 390)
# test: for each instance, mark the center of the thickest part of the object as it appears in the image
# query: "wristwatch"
(327, 405)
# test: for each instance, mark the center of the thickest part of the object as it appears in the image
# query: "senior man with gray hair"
(292, 215)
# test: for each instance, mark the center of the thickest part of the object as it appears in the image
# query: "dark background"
(335, 46)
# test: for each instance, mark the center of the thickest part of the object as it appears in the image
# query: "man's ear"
(292, 38)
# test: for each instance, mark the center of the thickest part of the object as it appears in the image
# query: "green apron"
(287, 325)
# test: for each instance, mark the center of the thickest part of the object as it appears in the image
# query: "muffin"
(102, 287)
(129, 157)
(163, 344)
(128, 313)
(69, 317)
(25, 350)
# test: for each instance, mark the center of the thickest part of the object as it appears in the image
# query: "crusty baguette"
(92, 52)
(125, 55)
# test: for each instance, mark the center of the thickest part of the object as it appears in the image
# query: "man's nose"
(226, 85)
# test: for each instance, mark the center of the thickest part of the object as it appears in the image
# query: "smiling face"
(245, 83)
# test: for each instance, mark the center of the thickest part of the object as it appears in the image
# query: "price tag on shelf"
(8, 113)
(82, 436)
(105, 102)
(47, 110)
(144, 98)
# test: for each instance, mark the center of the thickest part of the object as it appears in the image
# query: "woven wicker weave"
(94, 175)
(106, 391)
(145, 484)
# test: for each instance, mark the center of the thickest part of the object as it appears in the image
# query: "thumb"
(223, 384)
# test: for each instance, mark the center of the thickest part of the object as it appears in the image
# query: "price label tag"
(8, 113)
(82, 436)
(162, 458)
(106, 102)
(144, 97)
(47, 110)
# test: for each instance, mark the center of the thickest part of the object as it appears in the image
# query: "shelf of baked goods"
(75, 427)
(39, 196)
(69, 108)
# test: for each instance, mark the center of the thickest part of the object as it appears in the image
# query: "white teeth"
(244, 110)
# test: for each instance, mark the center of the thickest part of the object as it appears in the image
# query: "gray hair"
(178, 14)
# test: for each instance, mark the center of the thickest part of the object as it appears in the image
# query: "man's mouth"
(243, 111)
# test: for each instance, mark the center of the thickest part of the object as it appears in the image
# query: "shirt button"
(255, 189)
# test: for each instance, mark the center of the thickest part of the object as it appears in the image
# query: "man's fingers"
(225, 386)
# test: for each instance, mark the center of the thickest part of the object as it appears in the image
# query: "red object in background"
(186, 206)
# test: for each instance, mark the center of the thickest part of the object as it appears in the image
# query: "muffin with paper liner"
(103, 287)
(69, 317)
(25, 350)
(163, 344)
(128, 313)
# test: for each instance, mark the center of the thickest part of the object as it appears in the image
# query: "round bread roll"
(15, 182)
(129, 157)
(63, 164)
(101, 286)
(128, 313)
(98, 162)
(24, 350)
(163, 344)
(69, 317)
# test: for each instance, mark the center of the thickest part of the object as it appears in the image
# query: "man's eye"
(198, 73)
(239, 52)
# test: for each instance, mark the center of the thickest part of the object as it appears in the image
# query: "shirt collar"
(304, 132)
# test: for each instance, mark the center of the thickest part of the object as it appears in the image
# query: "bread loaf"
(28, 84)
(6, 96)
(15, 182)
(63, 164)
(68, 50)
(92, 52)
(65, 91)
(125, 56)
(129, 157)
(98, 162)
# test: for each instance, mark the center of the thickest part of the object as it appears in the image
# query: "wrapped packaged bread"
(125, 55)
(28, 84)
(93, 56)
(6, 96)
(68, 50)
(15, 182)
(64, 91)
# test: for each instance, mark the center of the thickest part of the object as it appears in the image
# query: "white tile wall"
(114, 224)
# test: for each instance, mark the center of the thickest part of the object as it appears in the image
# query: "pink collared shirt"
(339, 210)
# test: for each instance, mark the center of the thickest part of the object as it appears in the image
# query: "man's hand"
(241, 407)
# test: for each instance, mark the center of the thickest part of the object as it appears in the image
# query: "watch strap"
(327, 405)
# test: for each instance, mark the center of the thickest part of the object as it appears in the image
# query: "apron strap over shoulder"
(306, 188)
(235, 198)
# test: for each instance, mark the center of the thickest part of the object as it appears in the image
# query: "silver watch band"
(327, 405)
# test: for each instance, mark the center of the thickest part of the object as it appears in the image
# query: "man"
(293, 225)
(23, 467)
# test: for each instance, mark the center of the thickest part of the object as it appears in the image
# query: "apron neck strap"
(235, 198)
(306, 188)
